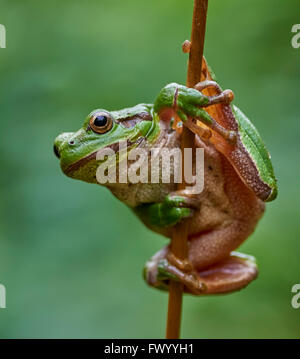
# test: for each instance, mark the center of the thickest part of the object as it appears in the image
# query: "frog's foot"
(231, 274)
(189, 103)
(164, 266)
(171, 211)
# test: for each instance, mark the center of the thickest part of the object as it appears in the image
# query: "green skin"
(77, 153)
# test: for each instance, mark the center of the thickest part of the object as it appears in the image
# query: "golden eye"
(101, 122)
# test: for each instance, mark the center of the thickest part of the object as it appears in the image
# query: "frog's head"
(77, 150)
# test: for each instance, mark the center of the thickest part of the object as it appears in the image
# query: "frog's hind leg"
(211, 251)
(231, 274)
(216, 269)
(221, 269)
(212, 266)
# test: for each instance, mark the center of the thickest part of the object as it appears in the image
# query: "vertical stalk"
(179, 244)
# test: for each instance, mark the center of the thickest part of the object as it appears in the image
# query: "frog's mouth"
(76, 167)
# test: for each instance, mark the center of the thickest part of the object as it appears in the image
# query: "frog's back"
(248, 156)
(260, 156)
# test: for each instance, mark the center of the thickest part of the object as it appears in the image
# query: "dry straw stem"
(179, 244)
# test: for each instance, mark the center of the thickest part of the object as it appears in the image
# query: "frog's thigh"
(211, 247)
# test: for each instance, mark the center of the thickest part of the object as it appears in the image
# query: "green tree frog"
(238, 179)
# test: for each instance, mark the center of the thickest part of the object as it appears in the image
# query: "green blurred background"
(71, 255)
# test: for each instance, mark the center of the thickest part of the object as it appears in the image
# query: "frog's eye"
(101, 122)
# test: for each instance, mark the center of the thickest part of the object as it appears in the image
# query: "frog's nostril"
(56, 151)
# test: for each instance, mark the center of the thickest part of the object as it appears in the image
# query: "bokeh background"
(71, 255)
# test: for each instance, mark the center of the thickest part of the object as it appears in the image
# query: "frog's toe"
(173, 210)
(151, 272)
(182, 198)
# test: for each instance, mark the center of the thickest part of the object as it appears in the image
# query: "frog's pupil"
(100, 121)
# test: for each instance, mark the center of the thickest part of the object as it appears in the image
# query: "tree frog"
(238, 179)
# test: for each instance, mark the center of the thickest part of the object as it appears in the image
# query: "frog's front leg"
(171, 211)
(188, 104)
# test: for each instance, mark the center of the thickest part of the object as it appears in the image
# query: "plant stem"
(179, 244)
